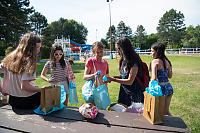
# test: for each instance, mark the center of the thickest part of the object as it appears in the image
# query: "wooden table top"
(70, 120)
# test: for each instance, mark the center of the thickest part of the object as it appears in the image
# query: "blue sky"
(94, 14)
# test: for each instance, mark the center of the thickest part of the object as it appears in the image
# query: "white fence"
(168, 51)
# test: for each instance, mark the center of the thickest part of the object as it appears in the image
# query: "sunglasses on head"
(57, 54)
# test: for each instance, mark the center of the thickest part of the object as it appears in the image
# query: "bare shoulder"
(155, 61)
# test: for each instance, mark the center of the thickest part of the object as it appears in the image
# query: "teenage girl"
(162, 70)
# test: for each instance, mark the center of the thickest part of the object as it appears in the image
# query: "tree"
(171, 28)
(140, 37)
(113, 37)
(64, 28)
(105, 43)
(123, 30)
(152, 38)
(192, 37)
(38, 22)
(13, 20)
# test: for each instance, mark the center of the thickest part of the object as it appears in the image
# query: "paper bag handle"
(149, 107)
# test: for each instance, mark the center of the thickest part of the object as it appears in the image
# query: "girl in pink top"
(96, 63)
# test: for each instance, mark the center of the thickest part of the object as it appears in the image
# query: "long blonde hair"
(24, 57)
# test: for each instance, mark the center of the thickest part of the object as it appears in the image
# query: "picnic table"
(70, 120)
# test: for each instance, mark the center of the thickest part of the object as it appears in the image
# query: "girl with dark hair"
(19, 68)
(162, 70)
(60, 69)
(129, 67)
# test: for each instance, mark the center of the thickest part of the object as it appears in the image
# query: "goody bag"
(87, 91)
(88, 110)
(73, 98)
(50, 98)
(101, 97)
(154, 108)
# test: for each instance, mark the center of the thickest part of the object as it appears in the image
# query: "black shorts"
(31, 102)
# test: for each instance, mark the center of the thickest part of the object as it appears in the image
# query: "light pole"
(111, 57)
(96, 34)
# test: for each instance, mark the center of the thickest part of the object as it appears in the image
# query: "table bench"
(70, 120)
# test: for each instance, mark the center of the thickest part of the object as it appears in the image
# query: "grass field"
(186, 83)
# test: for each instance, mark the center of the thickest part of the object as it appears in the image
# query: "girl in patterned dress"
(130, 67)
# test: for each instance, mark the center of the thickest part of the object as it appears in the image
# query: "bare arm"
(43, 74)
(88, 76)
(25, 85)
(131, 77)
(169, 72)
(154, 68)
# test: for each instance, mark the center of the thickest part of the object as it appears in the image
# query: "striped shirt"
(58, 73)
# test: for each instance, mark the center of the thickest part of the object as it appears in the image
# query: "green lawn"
(186, 83)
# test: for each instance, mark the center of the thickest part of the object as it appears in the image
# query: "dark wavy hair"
(127, 51)
(160, 49)
(54, 48)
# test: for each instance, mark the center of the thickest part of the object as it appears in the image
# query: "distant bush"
(45, 52)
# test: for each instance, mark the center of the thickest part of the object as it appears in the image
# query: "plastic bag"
(117, 107)
(73, 99)
(88, 110)
(101, 97)
(135, 108)
(154, 89)
(87, 91)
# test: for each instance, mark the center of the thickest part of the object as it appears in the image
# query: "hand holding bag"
(101, 96)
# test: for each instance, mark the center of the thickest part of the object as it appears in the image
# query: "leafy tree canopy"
(171, 28)
(64, 28)
(38, 22)
(13, 20)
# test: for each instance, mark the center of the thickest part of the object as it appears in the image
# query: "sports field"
(186, 83)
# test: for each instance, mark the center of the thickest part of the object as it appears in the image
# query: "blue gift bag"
(73, 99)
(87, 91)
(101, 97)
(154, 89)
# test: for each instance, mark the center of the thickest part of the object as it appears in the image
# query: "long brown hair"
(24, 57)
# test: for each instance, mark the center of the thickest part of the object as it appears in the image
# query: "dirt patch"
(198, 84)
(185, 71)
